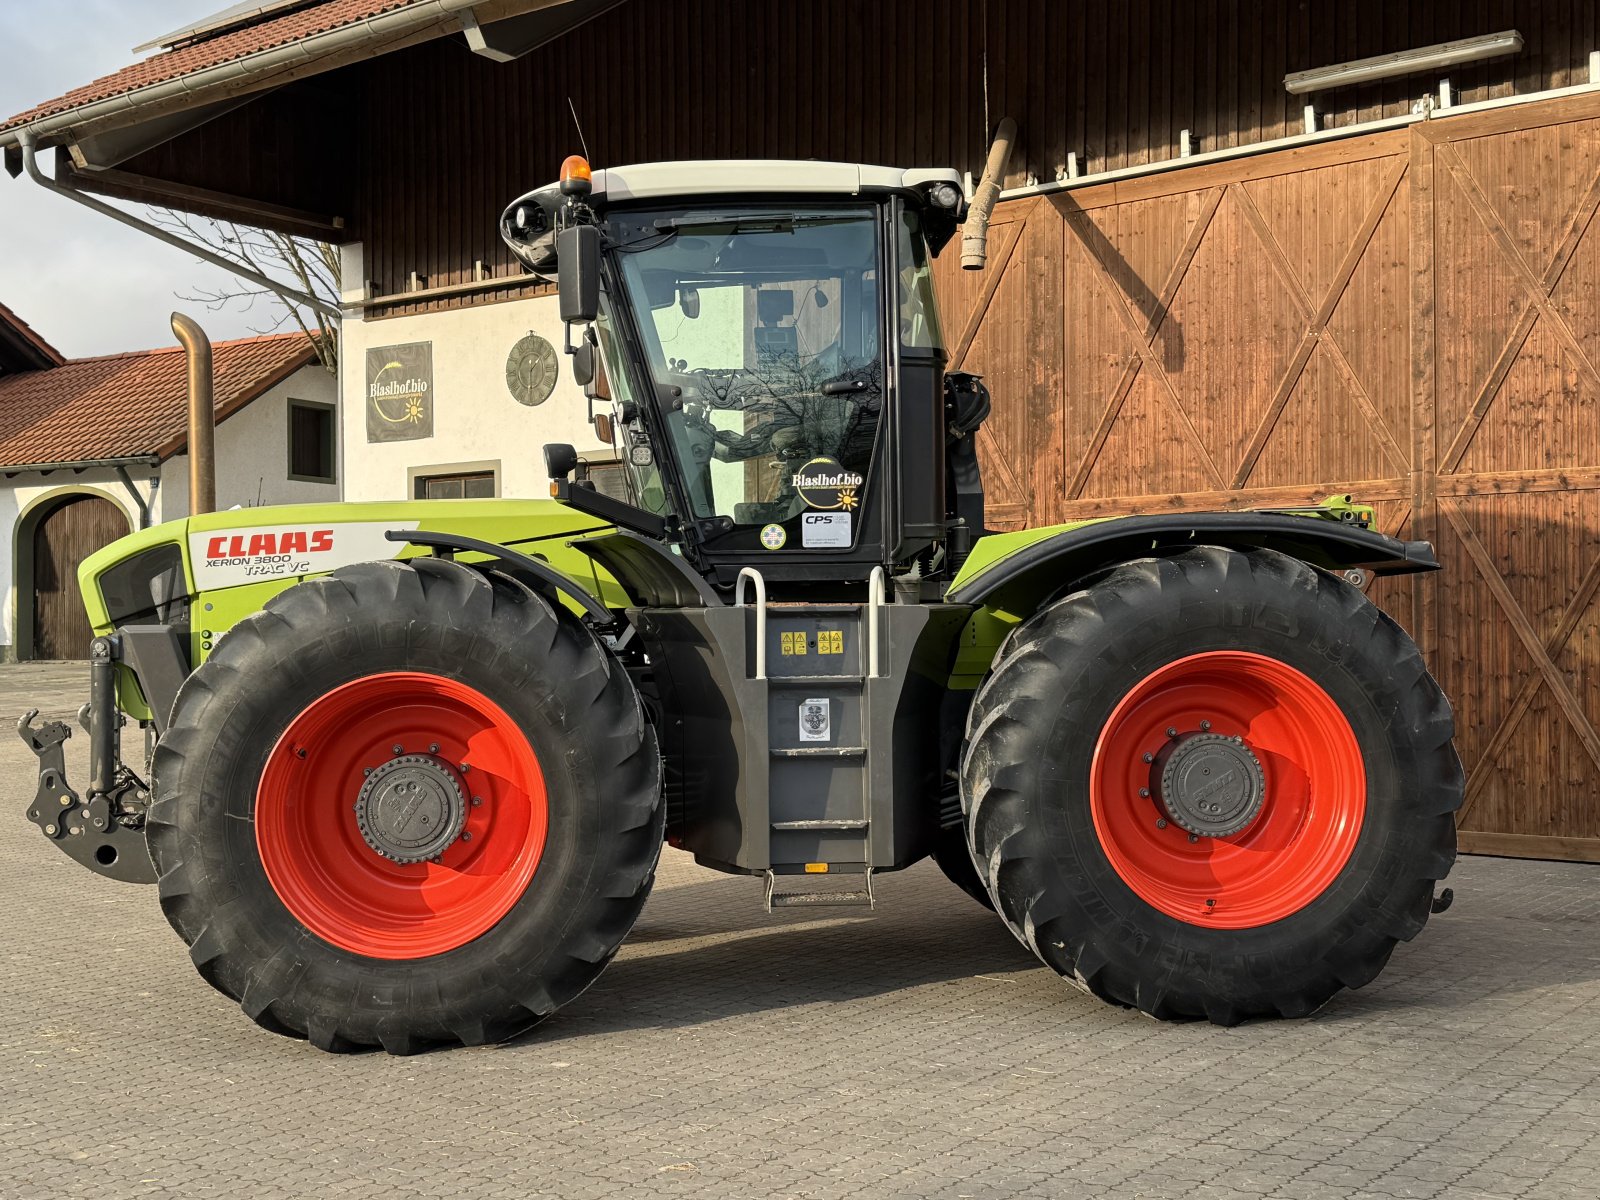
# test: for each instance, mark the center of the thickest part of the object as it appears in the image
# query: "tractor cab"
(772, 351)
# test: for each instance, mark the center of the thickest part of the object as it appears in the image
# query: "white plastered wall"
(253, 452)
(476, 420)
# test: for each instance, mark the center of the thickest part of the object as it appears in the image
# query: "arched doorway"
(64, 534)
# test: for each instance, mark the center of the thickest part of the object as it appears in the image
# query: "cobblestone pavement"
(916, 1051)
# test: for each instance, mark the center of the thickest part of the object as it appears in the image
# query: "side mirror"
(583, 363)
(689, 303)
(560, 460)
(602, 429)
(578, 273)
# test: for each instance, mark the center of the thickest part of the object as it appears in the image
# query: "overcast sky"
(88, 284)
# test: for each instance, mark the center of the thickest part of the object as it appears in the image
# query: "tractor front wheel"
(1214, 785)
(403, 806)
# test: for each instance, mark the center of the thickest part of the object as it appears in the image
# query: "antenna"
(576, 124)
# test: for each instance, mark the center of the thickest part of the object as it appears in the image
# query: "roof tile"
(213, 51)
(125, 405)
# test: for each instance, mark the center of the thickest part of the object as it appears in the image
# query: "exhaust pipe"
(975, 234)
(202, 416)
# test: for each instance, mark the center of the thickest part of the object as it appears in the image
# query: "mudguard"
(1015, 572)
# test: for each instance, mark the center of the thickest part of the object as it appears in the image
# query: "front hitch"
(105, 831)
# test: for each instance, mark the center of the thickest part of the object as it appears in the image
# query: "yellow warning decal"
(793, 643)
(816, 868)
(830, 641)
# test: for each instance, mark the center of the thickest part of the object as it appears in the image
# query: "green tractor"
(411, 765)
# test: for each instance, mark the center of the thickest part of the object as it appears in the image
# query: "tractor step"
(855, 898)
(803, 825)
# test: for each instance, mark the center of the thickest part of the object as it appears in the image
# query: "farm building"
(92, 449)
(1205, 289)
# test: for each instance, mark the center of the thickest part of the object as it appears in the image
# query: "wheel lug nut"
(1161, 822)
(1193, 838)
(433, 747)
(1205, 726)
(466, 835)
(476, 801)
(1148, 757)
(399, 749)
(1171, 732)
(366, 770)
(465, 767)
(1145, 792)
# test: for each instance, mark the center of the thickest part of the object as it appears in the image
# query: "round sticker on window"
(773, 537)
(824, 483)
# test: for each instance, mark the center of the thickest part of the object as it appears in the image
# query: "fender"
(1021, 569)
(545, 578)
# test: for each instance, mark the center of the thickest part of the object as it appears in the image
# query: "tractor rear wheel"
(1214, 785)
(405, 805)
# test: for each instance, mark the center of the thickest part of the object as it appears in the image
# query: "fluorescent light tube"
(1404, 62)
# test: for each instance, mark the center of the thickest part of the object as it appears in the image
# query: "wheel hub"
(412, 808)
(1209, 784)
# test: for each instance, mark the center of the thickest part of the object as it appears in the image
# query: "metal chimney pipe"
(202, 416)
(975, 234)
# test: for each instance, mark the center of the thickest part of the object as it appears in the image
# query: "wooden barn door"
(1412, 317)
(1229, 336)
(62, 539)
(1513, 323)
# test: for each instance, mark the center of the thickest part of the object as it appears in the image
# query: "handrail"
(875, 601)
(760, 584)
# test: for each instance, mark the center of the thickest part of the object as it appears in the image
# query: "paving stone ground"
(916, 1051)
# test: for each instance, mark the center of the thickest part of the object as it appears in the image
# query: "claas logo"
(260, 545)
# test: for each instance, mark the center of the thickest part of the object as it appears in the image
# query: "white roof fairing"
(707, 179)
(744, 176)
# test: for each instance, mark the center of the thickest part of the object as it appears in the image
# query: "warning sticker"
(825, 530)
(815, 722)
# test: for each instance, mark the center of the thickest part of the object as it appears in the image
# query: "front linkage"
(103, 831)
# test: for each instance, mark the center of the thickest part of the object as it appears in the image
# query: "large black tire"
(1027, 769)
(581, 716)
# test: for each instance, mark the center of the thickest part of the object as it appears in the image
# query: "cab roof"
(742, 176)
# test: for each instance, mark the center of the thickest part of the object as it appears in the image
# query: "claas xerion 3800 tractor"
(413, 763)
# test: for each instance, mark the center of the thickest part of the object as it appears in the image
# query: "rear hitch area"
(104, 830)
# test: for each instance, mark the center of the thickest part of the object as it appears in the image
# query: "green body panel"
(540, 529)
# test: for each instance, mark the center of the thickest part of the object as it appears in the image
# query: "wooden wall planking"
(1413, 317)
(431, 142)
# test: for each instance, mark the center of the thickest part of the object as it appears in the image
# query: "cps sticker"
(825, 530)
(773, 537)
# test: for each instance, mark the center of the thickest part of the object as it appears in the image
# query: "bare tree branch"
(299, 264)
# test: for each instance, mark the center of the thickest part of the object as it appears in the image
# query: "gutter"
(31, 166)
(83, 464)
(390, 25)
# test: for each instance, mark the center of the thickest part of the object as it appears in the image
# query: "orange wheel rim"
(1222, 739)
(323, 826)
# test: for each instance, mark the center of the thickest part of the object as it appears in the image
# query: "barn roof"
(254, 46)
(131, 405)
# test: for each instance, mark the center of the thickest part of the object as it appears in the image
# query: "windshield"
(761, 330)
